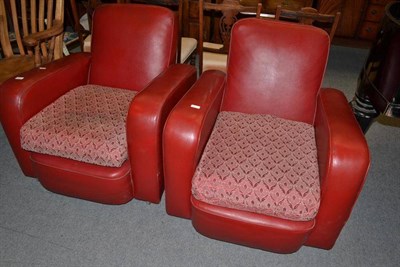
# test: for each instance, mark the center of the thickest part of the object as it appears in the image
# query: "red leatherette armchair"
(74, 125)
(264, 157)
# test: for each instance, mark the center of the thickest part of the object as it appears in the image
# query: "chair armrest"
(37, 88)
(185, 135)
(146, 118)
(34, 38)
(343, 159)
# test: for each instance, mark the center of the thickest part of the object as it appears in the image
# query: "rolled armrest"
(146, 118)
(22, 98)
(343, 158)
(185, 135)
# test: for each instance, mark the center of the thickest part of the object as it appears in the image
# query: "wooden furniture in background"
(310, 16)
(78, 28)
(213, 55)
(360, 19)
(33, 39)
(374, 12)
(271, 5)
(191, 13)
(351, 11)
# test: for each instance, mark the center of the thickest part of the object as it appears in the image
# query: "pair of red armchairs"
(260, 156)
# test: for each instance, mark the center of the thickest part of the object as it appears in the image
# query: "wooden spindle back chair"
(31, 34)
(230, 10)
(310, 16)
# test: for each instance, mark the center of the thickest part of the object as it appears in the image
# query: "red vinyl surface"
(133, 47)
(277, 71)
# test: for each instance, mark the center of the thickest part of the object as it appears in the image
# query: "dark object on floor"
(378, 90)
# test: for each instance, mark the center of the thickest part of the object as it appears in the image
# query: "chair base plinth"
(250, 229)
(100, 184)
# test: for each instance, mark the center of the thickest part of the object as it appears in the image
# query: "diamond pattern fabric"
(260, 163)
(87, 124)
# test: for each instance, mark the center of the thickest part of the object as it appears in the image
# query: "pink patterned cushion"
(86, 124)
(262, 164)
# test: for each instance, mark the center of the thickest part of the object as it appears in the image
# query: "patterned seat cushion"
(262, 164)
(86, 124)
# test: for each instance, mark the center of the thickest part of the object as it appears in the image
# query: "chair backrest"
(30, 18)
(132, 44)
(230, 9)
(310, 16)
(175, 5)
(277, 71)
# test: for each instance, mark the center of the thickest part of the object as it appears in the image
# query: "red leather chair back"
(278, 72)
(119, 62)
